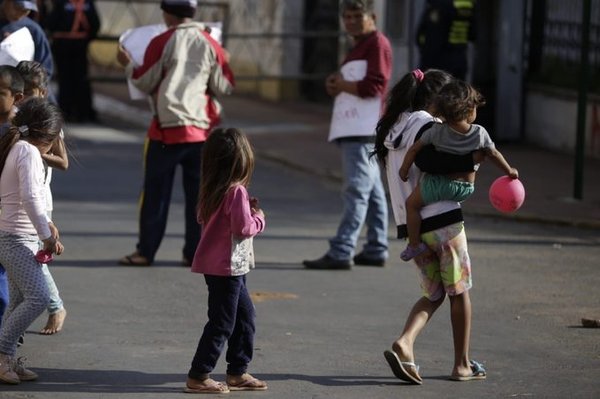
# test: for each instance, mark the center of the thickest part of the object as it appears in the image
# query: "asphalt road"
(131, 332)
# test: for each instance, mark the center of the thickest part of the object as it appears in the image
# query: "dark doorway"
(484, 71)
(319, 53)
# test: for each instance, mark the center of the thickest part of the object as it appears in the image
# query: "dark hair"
(11, 76)
(366, 6)
(178, 10)
(409, 94)
(34, 76)
(227, 159)
(457, 100)
(37, 121)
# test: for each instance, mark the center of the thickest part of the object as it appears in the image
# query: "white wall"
(551, 122)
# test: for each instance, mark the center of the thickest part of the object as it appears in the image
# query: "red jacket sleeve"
(379, 69)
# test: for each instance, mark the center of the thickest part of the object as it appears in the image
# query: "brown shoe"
(6, 372)
(24, 374)
(326, 262)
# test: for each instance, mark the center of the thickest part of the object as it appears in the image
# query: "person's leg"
(84, 94)
(3, 292)
(78, 62)
(357, 191)
(376, 246)
(223, 298)
(27, 288)
(56, 311)
(460, 315)
(160, 164)
(414, 203)
(190, 164)
(241, 346)
(455, 272)
(241, 343)
(65, 77)
(421, 312)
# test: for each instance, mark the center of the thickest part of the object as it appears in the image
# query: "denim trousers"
(364, 203)
(230, 319)
(56, 302)
(3, 292)
(160, 164)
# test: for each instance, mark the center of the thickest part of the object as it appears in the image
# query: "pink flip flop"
(251, 384)
(214, 388)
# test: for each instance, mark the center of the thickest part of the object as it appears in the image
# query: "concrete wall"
(551, 121)
(265, 56)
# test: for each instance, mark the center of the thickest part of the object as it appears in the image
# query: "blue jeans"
(230, 318)
(56, 303)
(364, 202)
(3, 292)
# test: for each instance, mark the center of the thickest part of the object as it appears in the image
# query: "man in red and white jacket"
(183, 71)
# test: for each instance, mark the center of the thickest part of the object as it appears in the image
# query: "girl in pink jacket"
(230, 218)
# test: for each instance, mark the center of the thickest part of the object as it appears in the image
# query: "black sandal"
(134, 259)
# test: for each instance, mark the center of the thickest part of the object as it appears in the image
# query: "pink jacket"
(225, 248)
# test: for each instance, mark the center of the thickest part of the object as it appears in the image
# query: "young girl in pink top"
(230, 218)
(23, 221)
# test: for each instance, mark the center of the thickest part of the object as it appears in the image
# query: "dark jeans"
(3, 292)
(160, 165)
(230, 318)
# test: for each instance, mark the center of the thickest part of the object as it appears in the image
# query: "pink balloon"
(506, 194)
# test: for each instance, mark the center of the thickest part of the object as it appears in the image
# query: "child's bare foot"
(407, 357)
(245, 382)
(55, 322)
(413, 250)
(207, 385)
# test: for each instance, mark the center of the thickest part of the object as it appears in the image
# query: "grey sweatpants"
(28, 291)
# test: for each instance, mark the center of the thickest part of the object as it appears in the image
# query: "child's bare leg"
(460, 315)
(414, 203)
(415, 247)
(420, 314)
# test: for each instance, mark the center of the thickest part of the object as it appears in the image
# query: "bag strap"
(426, 126)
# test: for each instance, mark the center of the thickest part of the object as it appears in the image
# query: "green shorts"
(436, 188)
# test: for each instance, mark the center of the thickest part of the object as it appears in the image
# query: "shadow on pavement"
(101, 381)
(126, 382)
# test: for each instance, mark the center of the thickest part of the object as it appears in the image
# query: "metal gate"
(553, 43)
(268, 40)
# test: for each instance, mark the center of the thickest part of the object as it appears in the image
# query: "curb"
(336, 177)
(113, 108)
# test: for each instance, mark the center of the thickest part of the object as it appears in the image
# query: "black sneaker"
(363, 260)
(21, 340)
(328, 263)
